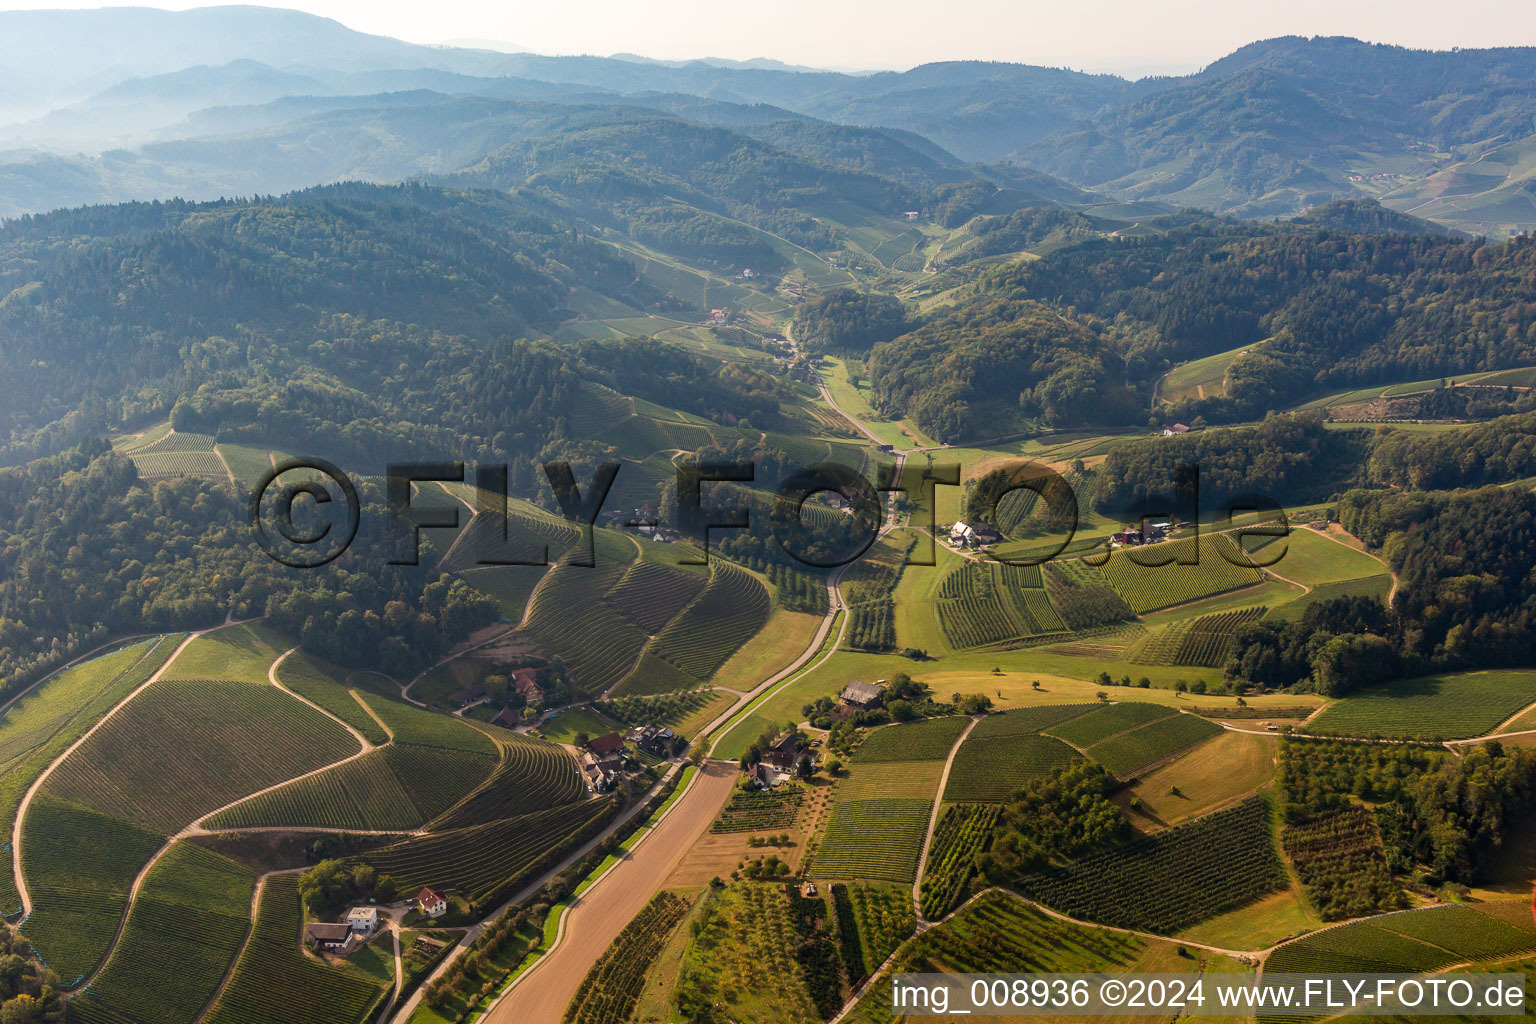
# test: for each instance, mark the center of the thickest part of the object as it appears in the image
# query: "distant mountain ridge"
(1270, 130)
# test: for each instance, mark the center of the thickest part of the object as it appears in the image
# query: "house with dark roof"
(609, 743)
(1175, 429)
(861, 695)
(508, 719)
(330, 937)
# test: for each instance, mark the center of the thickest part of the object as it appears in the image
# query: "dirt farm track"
(596, 919)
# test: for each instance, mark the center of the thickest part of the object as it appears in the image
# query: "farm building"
(602, 773)
(608, 743)
(1175, 429)
(649, 737)
(330, 938)
(526, 682)
(765, 775)
(432, 903)
(861, 695)
(973, 535)
(363, 920)
(507, 719)
(783, 754)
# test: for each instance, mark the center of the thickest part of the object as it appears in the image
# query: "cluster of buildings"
(649, 737)
(644, 520)
(974, 535)
(778, 762)
(603, 762)
(343, 938)
(1135, 536)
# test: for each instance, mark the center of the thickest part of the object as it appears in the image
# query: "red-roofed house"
(432, 903)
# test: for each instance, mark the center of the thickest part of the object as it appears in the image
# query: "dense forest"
(87, 551)
(845, 320)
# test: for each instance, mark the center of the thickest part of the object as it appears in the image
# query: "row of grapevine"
(609, 992)
(962, 833)
(760, 811)
(988, 770)
(928, 740)
(1171, 879)
(651, 595)
(184, 931)
(728, 613)
(274, 982)
(483, 859)
(991, 603)
(1206, 642)
(1130, 753)
(874, 839)
(175, 753)
(1217, 567)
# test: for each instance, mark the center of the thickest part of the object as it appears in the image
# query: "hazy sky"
(1124, 36)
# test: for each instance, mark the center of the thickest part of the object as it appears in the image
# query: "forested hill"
(388, 319)
(1080, 336)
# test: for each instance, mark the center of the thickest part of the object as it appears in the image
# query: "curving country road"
(541, 995)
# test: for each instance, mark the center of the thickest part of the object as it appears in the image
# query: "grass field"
(1258, 925)
(1227, 768)
(1311, 559)
(274, 982)
(782, 639)
(1453, 706)
(184, 932)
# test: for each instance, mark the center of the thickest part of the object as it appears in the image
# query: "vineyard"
(1000, 934)
(874, 839)
(684, 711)
(532, 776)
(962, 833)
(308, 679)
(928, 740)
(729, 612)
(570, 619)
(483, 859)
(1083, 731)
(413, 726)
(79, 867)
(1172, 879)
(1083, 596)
(611, 989)
(42, 724)
(398, 787)
(1436, 707)
(275, 983)
(1147, 588)
(170, 755)
(652, 595)
(1338, 857)
(1129, 753)
(1027, 720)
(177, 454)
(1410, 941)
(867, 589)
(988, 769)
(760, 810)
(184, 931)
(985, 604)
(1205, 642)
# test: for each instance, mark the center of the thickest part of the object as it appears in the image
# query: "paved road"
(595, 920)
